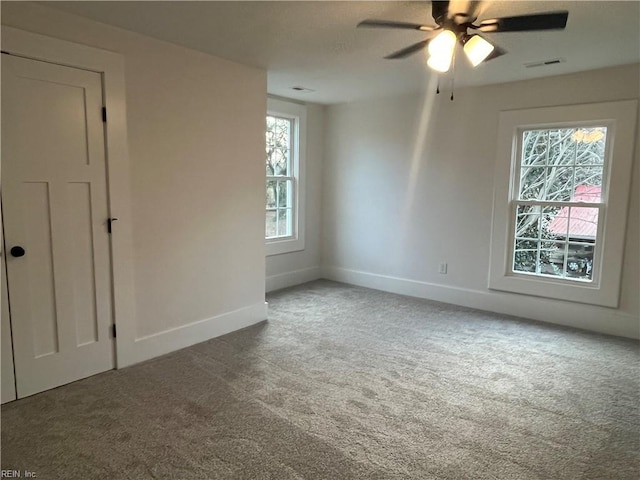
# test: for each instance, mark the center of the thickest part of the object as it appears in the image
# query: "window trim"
(297, 113)
(620, 120)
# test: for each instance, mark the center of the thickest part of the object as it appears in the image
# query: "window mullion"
(561, 204)
(566, 258)
(277, 209)
(279, 177)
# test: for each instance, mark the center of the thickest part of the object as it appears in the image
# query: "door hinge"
(110, 223)
(104, 114)
(113, 331)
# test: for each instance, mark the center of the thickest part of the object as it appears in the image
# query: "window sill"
(280, 246)
(558, 289)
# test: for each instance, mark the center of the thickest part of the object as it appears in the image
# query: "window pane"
(534, 147)
(590, 145)
(562, 147)
(589, 176)
(278, 146)
(284, 222)
(532, 181)
(552, 258)
(587, 193)
(580, 261)
(270, 230)
(583, 223)
(554, 223)
(271, 193)
(525, 260)
(284, 193)
(559, 184)
(528, 221)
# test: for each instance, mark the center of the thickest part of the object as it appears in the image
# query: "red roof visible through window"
(584, 220)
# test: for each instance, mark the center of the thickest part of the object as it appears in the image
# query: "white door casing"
(8, 386)
(54, 199)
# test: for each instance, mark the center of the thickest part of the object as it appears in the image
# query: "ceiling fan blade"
(401, 25)
(410, 50)
(523, 23)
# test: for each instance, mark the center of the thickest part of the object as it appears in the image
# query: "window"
(285, 138)
(558, 201)
(279, 177)
(562, 184)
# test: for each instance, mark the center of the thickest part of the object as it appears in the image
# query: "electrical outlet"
(442, 268)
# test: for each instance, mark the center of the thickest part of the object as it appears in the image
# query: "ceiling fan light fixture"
(441, 50)
(477, 49)
(439, 63)
(443, 43)
(453, 28)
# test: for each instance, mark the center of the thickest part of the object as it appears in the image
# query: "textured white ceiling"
(316, 44)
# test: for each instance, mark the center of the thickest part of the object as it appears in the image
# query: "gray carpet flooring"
(349, 383)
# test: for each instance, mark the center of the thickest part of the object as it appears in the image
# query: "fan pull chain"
(453, 73)
(438, 86)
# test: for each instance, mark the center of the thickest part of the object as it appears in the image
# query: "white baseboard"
(289, 279)
(586, 317)
(174, 339)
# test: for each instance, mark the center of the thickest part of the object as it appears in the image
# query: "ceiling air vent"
(544, 63)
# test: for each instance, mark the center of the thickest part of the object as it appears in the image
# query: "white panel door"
(54, 203)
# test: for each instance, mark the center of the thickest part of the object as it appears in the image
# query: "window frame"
(298, 114)
(603, 289)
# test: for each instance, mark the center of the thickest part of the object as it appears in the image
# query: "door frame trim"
(111, 66)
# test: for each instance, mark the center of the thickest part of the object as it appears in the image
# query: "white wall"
(196, 148)
(298, 267)
(408, 183)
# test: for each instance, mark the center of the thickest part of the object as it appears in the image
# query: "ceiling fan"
(454, 28)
